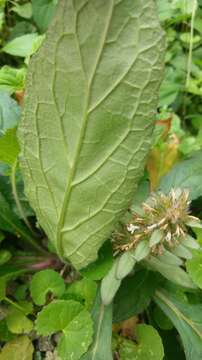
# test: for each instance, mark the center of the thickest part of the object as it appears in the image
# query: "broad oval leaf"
(91, 96)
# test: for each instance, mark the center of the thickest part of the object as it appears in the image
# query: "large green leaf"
(90, 103)
(9, 147)
(188, 321)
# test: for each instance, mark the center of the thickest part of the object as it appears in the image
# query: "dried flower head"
(163, 223)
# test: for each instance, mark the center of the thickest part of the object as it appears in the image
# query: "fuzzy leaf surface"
(90, 103)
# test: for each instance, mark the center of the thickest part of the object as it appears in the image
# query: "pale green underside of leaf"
(90, 103)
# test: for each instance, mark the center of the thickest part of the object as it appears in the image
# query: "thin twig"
(189, 64)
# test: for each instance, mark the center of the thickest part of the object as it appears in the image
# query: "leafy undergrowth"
(48, 309)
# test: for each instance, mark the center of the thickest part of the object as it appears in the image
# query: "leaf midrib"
(178, 313)
(72, 172)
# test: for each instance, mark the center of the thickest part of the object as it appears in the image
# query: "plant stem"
(18, 307)
(15, 195)
(191, 43)
(23, 233)
(32, 242)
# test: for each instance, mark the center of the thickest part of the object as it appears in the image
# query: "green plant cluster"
(142, 298)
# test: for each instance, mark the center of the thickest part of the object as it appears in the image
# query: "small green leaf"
(12, 79)
(77, 337)
(49, 322)
(185, 6)
(9, 148)
(186, 38)
(149, 345)
(21, 292)
(21, 46)
(5, 334)
(73, 320)
(18, 322)
(185, 175)
(125, 265)
(194, 268)
(84, 289)
(168, 258)
(182, 252)
(46, 281)
(187, 319)
(20, 348)
(43, 11)
(194, 224)
(110, 285)
(5, 256)
(25, 10)
(156, 237)
(190, 242)
(142, 251)
(9, 112)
